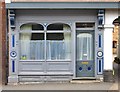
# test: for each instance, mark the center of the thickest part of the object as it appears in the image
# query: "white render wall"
(108, 48)
(110, 16)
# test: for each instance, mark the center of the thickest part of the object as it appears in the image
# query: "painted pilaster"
(13, 54)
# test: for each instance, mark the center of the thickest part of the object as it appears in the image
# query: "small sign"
(84, 62)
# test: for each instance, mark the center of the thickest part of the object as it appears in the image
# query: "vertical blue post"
(100, 41)
(13, 66)
(99, 65)
(13, 40)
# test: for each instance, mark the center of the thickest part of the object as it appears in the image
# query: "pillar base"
(108, 76)
(99, 77)
(12, 79)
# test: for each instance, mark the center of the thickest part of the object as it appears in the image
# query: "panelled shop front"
(55, 44)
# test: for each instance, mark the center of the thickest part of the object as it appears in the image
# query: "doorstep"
(86, 81)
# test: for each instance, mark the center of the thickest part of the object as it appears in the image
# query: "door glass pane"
(58, 46)
(84, 46)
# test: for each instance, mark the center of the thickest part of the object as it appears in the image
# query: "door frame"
(74, 48)
(93, 34)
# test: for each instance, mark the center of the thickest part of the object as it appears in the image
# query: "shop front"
(55, 44)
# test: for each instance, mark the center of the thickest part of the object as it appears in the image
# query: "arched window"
(31, 41)
(54, 43)
(58, 41)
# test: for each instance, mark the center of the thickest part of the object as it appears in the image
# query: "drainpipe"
(116, 22)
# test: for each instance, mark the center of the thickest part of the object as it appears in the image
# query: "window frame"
(45, 31)
(57, 31)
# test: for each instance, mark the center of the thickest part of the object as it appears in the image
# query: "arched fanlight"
(58, 26)
(34, 26)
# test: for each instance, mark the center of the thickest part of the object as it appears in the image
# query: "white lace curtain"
(25, 38)
(84, 46)
(67, 39)
(34, 49)
(60, 49)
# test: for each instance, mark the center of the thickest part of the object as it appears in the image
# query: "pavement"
(64, 86)
(80, 85)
